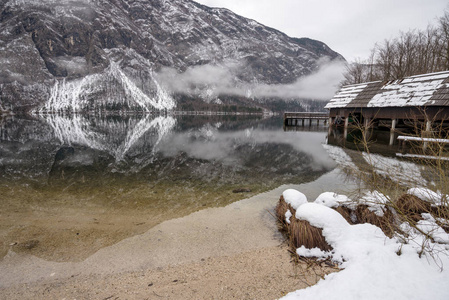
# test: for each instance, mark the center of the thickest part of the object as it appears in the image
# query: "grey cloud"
(206, 80)
(320, 85)
(210, 81)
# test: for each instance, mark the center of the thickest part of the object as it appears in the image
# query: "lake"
(71, 185)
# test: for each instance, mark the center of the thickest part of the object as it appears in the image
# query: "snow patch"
(77, 95)
(371, 267)
(430, 227)
(331, 200)
(375, 201)
(428, 195)
(399, 171)
(288, 215)
(340, 157)
(314, 252)
(346, 95)
(408, 92)
(294, 198)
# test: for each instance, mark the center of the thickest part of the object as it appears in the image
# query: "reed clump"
(281, 209)
(302, 233)
(385, 222)
(411, 207)
(299, 232)
(347, 213)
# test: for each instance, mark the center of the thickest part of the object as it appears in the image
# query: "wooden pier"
(298, 118)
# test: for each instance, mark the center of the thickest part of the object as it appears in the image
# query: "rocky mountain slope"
(64, 55)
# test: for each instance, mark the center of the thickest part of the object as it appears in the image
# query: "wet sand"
(216, 253)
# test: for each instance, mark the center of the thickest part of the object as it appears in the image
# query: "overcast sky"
(350, 27)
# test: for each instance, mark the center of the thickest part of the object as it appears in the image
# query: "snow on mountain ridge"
(177, 34)
(74, 95)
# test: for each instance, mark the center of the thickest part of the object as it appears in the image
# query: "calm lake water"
(70, 185)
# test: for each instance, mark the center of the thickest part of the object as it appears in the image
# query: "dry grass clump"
(347, 213)
(411, 207)
(385, 222)
(281, 208)
(407, 208)
(300, 232)
(444, 225)
(362, 214)
(441, 214)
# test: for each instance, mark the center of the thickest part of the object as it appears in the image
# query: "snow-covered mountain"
(78, 55)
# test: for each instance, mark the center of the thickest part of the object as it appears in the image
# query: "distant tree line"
(412, 53)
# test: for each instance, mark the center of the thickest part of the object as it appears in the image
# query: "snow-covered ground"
(371, 266)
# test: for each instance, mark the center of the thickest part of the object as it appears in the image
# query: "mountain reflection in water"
(78, 183)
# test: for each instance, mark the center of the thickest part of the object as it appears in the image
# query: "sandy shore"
(218, 253)
(265, 273)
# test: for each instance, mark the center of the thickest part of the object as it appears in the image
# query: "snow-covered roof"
(420, 90)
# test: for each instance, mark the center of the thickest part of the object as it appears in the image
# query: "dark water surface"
(70, 185)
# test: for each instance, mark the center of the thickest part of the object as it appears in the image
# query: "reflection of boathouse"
(418, 100)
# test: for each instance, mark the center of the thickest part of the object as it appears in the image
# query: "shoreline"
(222, 235)
(265, 273)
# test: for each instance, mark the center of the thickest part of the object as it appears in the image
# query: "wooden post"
(392, 129)
(427, 133)
(428, 126)
(366, 127)
(367, 123)
(393, 124)
(345, 132)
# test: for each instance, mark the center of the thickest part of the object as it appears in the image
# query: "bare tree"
(444, 39)
(384, 58)
(354, 73)
(412, 53)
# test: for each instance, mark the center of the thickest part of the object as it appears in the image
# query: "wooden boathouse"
(420, 99)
